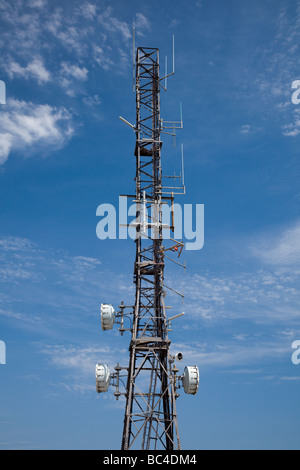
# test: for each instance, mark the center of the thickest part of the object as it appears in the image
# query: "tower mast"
(150, 413)
(150, 419)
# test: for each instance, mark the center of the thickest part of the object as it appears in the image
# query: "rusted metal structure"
(151, 402)
(150, 420)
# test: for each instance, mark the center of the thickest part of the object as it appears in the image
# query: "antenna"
(182, 167)
(133, 56)
(128, 123)
(173, 54)
(181, 119)
(171, 189)
(176, 316)
(166, 73)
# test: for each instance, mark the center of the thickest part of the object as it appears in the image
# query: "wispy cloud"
(16, 244)
(281, 249)
(263, 296)
(67, 33)
(57, 296)
(112, 24)
(48, 281)
(230, 354)
(94, 100)
(88, 10)
(101, 57)
(22, 318)
(77, 365)
(280, 68)
(34, 70)
(37, 3)
(26, 125)
(70, 76)
(79, 359)
(245, 129)
(142, 24)
(81, 73)
(293, 128)
(84, 34)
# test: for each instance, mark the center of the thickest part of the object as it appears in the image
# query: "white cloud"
(282, 249)
(21, 317)
(48, 280)
(102, 58)
(67, 32)
(88, 10)
(70, 73)
(292, 129)
(21, 32)
(113, 25)
(80, 73)
(94, 100)
(278, 68)
(245, 129)
(290, 378)
(85, 261)
(262, 296)
(141, 24)
(78, 364)
(77, 278)
(234, 354)
(37, 3)
(5, 146)
(25, 125)
(15, 244)
(73, 357)
(82, 31)
(34, 70)
(14, 272)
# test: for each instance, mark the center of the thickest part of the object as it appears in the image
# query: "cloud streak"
(259, 309)
(34, 70)
(85, 34)
(281, 249)
(262, 296)
(24, 125)
(48, 282)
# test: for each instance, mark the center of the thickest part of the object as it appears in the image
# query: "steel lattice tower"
(150, 413)
(150, 420)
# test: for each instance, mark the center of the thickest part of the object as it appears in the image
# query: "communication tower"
(152, 379)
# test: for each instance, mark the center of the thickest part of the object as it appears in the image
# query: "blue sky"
(63, 151)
